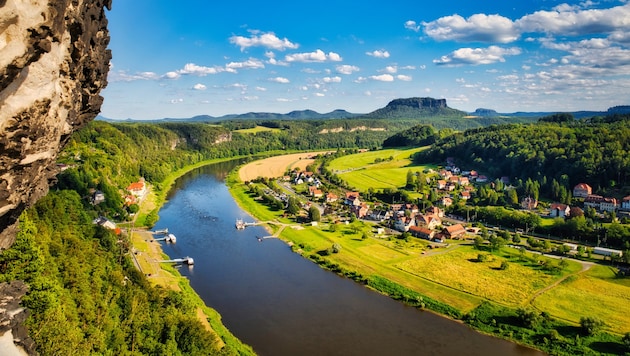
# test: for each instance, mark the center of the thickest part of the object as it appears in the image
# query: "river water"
(281, 303)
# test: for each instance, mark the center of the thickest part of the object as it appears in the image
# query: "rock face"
(14, 339)
(53, 65)
(418, 103)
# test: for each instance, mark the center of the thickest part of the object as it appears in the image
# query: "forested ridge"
(590, 152)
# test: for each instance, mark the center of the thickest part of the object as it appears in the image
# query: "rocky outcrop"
(53, 65)
(14, 339)
(418, 103)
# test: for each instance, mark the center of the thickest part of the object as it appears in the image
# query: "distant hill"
(293, 115)
(424, 109)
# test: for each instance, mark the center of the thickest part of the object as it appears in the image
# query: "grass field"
(460, 269)
(257, 129)
(362, 172)
(596, 293)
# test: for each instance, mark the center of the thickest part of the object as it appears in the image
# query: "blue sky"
(180, 59)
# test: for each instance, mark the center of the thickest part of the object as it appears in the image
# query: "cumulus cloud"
(412, 25)
(391, 69)
(478, 27)
(568, 20)
(280, 80)
(192, 68)
(562, 20)
(476, 56)
(172, 75)
(199, 86)
(251, 63)
(123, 76)
(346, 69)
(404, 78)
(383, 78)
(332, 79)
(177, 101)
(317, 56)
(267, 40)
(378, 54)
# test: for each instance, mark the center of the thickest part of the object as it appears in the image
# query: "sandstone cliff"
(53, 64)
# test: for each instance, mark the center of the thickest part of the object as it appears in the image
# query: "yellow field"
(586, 295)
(256, 130)
(458, 269)
(274, 167)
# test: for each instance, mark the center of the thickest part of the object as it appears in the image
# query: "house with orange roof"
(138, 189)
(582, 190)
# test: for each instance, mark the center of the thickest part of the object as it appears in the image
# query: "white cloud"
(346, 69)
(476, 56)
(199, 86)
(261, 89)
(478, 27)
(378, 54)
(563, 20)
(320, 94)
(412, 25)
(317, 56)
(332, 79)
(123, 76)
(172, 75)
(267, 40)
(177, 101)
(404, 78)
(360, 80)
(280, 80)
(383, 78)
(283, 100)
(191, 68)
(568, 20)
(251, 63)
(391, 69)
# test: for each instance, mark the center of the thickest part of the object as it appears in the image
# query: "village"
(431, 222)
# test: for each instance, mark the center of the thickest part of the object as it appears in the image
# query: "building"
(465, 195)
(331, 198)
(447, 201)
(104, 222)
(582, 190)
(559, 210)
(454, 231)
(625, 203)
(607, 251)
(352, 198)
(138, 189)
(403, 223)
(98, 197)
(360, 211)
(608, 204)
(421, 232)
(430, 221)
(529, 203)
(434, 210)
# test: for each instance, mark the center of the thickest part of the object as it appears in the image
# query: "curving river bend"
(281, 303)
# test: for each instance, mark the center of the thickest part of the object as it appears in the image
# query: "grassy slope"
(361, 172)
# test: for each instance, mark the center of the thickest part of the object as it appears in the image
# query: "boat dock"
(168, 238)
(160, 232)
(241, 225)
(186, 260)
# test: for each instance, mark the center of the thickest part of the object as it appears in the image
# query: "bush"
(590, 325)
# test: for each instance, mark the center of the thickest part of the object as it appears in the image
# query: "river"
(283, 304)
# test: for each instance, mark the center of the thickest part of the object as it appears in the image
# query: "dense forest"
(86, 297)
(569, 151)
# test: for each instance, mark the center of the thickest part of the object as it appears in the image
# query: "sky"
(201, 57)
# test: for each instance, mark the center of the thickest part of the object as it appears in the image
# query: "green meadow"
(377, 169)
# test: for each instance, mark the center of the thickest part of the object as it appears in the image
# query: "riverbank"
(390, 266)
(146, 252)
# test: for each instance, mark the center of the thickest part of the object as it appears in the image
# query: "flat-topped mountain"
(415, 108)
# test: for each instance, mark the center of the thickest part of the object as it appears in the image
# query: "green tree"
(313, 213)
(626, 340)
(293, 206)
(590, 325)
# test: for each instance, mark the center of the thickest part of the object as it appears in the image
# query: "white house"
(559, 210)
